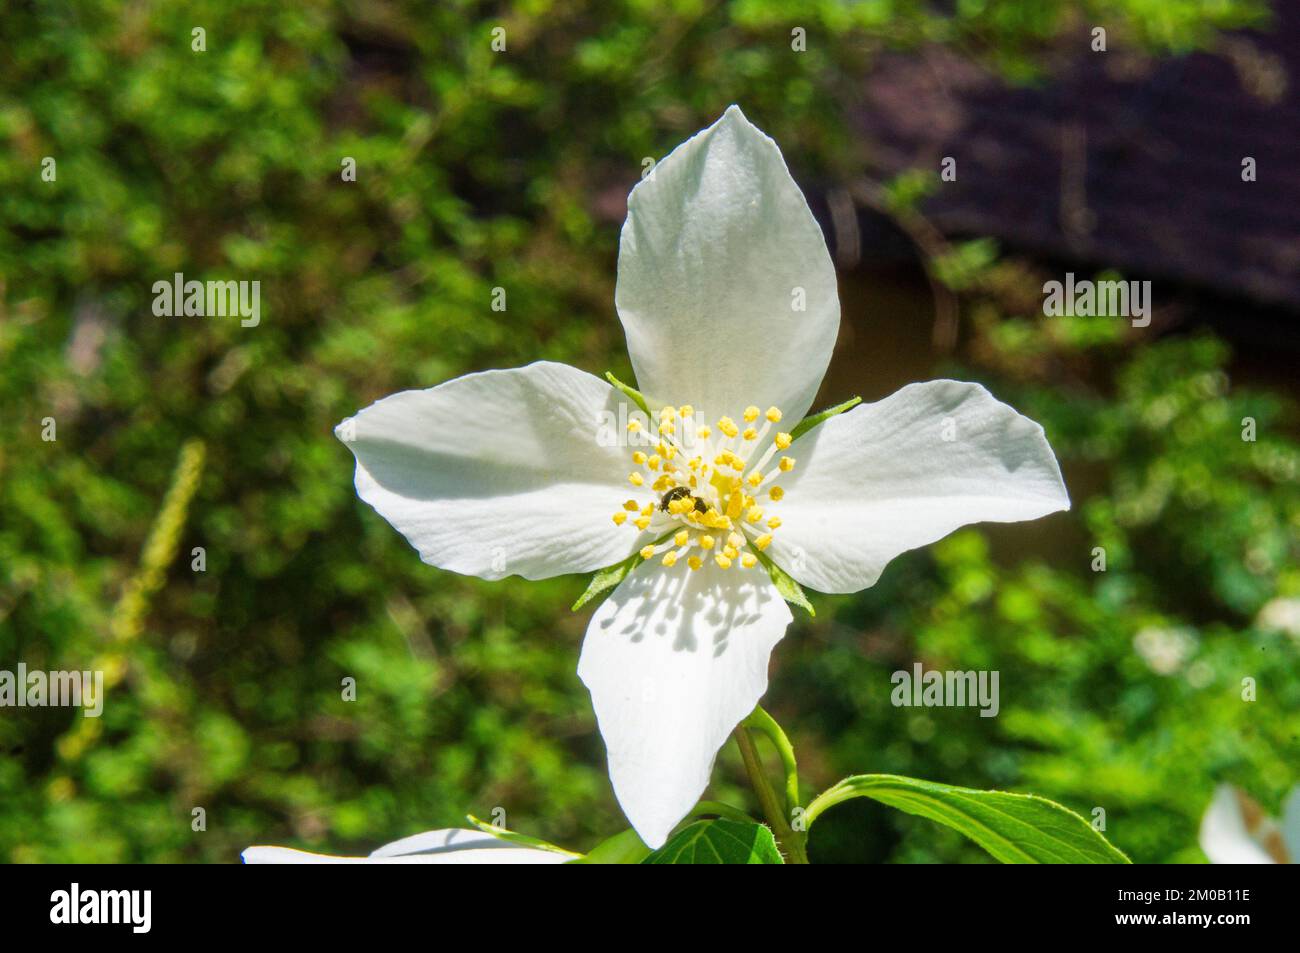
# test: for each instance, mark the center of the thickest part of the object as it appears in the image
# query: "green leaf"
(808, 423)
(624, 848)
(719, 842)
(631, 393)
(790, 590)
(1014, 828)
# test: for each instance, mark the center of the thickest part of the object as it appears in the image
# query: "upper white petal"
(1224, 834)
(717, 240)
(674, 660)
(514, 471)
(449, 846)
(903, 472)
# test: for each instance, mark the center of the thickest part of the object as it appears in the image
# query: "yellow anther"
(730, 552)
(631, 506)
(704, 433)
(648, 510)
(641, 522)
(638, 458)
(783, 441)
(728, 426)
(695, 463)
(749, 501)
(620, 518)
(763, 541)
(751, 414)
(774, 415)
(682, 538)
(786, 464)
(667, 427)
(670, 558)
(663, 482)
(694, 563)
(686, 410)
(776, 493)
(635, 479)
(735, 540)
(706, 541)
(750, 433)
(667, 412)
(653, 462)
(754, 514)
(647, 551)
(774, 523)
(633, 426)
(755, 478)
(723, 562)
(749, 560)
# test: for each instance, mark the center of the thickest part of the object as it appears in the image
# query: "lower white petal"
(674, 660)
(514, 471)
(906, 471)
(449, 846)
(1225, 835)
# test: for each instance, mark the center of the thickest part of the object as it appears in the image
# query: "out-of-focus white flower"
(1235, 830)
(1164, 649)
(1281, 615)
(449, 846)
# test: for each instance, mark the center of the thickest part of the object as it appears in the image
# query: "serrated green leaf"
(808, 423)
(719, 842)
(1014, 828)
(790, 590)
(632, 393)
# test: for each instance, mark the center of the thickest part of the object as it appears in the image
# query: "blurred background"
(476, 169)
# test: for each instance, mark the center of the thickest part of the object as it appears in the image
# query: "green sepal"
(611, 576)
(790, 590)
(513, 837)
(808, 423)
(631, 393)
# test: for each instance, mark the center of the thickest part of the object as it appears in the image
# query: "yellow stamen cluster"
(710, 494)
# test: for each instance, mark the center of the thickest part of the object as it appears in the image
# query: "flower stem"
(791, 842)
(765, 723)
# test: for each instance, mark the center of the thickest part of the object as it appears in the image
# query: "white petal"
(674, 660)
(1224, 834)
(450, 846)
(717, 240)
(515, 471)
(903, 472)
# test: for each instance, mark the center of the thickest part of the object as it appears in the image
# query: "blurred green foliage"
(475, 170)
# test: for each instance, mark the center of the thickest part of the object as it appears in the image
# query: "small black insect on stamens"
(676, 493)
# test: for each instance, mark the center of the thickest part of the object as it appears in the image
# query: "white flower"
(1235, 830)
(451, 846)
(728, 298)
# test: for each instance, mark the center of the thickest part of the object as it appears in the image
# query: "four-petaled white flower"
(728, 298)
(1235, 830)
(449, 846)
